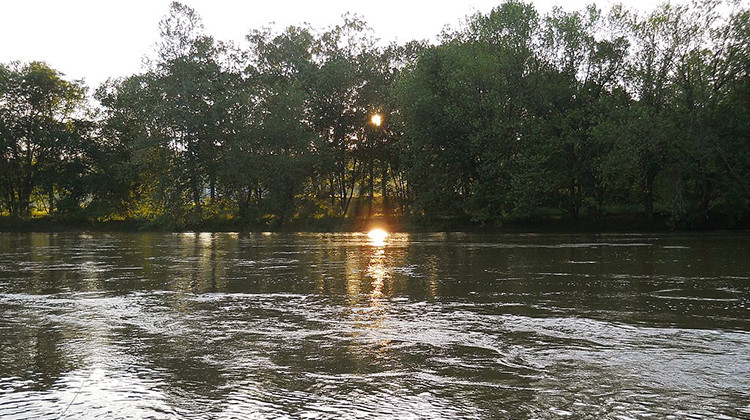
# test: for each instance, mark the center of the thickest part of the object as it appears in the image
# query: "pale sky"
(97, 39)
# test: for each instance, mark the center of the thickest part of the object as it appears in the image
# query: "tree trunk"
(24, 200)
(371, 187)
(12, 204)
(331, 191)
(706, 203)
(212, 185)
(738, 178)
(573, 207)
(51, 193)
(384, 186)
(196, 193)
(648, 197)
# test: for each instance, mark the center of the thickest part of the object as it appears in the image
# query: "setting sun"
(376, 120)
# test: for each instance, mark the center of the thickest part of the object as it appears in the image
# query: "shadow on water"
(206, 325)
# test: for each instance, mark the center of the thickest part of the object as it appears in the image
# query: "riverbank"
(618, 223)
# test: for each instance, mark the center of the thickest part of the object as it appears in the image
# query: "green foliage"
(43, 136)
(580, 111)
(512, 116)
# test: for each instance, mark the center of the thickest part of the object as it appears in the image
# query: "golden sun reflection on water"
(378, 271)
(377, 236)
(374, 313)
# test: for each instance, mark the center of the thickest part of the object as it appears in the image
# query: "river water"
(235, 326)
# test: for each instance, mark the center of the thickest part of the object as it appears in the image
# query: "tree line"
(513, 115)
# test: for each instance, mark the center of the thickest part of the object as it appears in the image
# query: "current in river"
(342, 326)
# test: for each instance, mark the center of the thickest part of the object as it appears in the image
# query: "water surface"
(214, 326)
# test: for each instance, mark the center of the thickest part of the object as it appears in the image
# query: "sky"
(96, 39)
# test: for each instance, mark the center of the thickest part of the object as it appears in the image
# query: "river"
(450, 325)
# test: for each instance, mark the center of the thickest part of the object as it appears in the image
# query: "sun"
(376, 120)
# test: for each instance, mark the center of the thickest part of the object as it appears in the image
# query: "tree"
(345, 93)
(190, 84)
(177, 116)
(466, 106)
(42, 132)
(589, 53)
(124, 182)
(269, 162)
(660, 38)
(712, 160)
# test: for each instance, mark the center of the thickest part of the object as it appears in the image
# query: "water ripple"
(213, 326)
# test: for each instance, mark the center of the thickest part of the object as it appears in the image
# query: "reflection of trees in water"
(45, 265)
(50, 360)
(91, 332)
(33, 353)
(199, 268)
